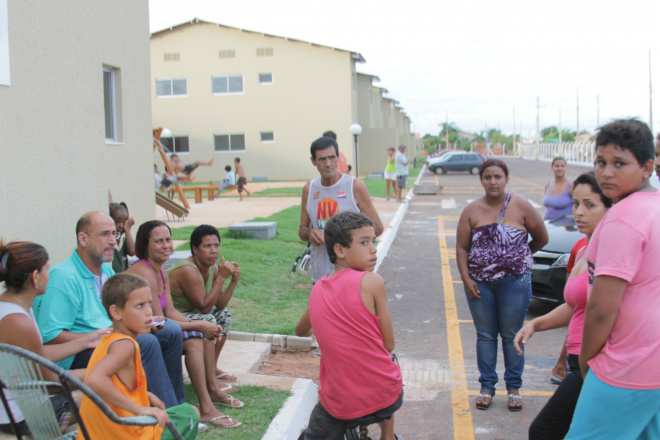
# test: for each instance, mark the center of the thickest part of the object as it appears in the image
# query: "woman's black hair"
(589, 178)
(142, 237)
(18, 259)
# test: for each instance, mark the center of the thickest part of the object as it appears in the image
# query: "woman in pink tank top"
(589, 207)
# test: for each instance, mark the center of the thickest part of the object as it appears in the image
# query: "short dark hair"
(237, 159)
(83, 223)
(119, 287)
(142, 237)
(589, 178)
(628, 134)
(556, 158)
(330, 134)
(114, 207)
(227, 168)
(321, 144)
(18, 259)
(339, 229)
(200, 232)
(493, 163)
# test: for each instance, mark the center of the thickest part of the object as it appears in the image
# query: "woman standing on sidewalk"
(494, 259)
(390, 171)
(557, 200)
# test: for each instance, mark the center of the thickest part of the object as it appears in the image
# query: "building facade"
(226, 92)
(75, 118)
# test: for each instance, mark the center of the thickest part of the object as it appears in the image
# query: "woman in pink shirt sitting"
(589, 208)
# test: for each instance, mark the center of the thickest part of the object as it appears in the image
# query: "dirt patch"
(288, 363)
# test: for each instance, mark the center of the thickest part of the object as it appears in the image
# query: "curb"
(293, 417)
(277, 341)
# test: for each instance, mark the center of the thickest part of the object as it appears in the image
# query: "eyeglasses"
(106, 234)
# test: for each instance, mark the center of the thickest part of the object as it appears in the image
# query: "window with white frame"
(171, 87)
(222, 85)
(176, 144)
(265, 78)
(109, 104)
(267, 136)
(229, 142)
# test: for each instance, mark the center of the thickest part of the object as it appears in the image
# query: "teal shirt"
(71, 302)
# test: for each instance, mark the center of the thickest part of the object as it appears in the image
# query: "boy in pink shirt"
(620, 398)
(348, 314)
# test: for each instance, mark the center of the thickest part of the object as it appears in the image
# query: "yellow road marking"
(534, 185)
(460, 395)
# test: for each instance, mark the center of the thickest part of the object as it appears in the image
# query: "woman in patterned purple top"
(494, 258)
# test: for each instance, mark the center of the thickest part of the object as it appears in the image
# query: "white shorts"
(389, 176)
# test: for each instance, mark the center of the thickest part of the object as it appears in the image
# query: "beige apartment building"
(226, 92)
(75, 117)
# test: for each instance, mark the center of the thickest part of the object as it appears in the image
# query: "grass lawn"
(261, 406)
(268, 298)
(377, 188)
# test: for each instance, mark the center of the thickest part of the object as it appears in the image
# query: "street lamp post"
(356, 129)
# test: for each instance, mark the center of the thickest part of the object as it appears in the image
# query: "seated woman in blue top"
(558, 199)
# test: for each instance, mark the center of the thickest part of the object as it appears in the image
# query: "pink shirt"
(626, 245)
(358, 376)
(575, 295)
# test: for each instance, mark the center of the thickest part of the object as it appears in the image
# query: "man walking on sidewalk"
(401, 171)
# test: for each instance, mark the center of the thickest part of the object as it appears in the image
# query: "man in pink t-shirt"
(620, 351)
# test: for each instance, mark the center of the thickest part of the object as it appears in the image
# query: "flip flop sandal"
(223, 378)
(235, 423)
(483, 401)
(229, 402)
(229, 389)
(555, 380)
(515, 402)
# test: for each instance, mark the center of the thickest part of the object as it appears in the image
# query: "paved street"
(433, 327)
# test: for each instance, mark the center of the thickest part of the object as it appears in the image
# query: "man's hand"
(316, 237)
(92, 339)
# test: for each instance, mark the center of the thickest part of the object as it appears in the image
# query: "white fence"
(576, 153)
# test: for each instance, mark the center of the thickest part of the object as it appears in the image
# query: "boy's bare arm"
(373, 286)
(118, 361)
(602, 309)
(304, 326)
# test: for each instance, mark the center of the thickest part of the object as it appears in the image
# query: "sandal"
(483, 400)
(228, 389)
(229, 402)
(227, 377)
(515, 401)
(233, 423)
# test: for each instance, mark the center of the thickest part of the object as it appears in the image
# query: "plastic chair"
(20, 374)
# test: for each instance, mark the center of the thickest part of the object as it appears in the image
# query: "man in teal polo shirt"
(72, 307)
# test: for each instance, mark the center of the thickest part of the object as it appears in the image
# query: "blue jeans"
(161, 359)
(500, 310)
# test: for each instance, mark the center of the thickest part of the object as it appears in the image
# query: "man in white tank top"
(325, 196)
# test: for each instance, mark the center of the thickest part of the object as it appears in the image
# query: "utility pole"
(447, 129)
(650, 96)
(561, 148)
(577, 101)
(536, 154)
(514, 130)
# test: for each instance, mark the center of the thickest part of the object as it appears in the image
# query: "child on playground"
(348, 314)
(115, 370)
(123, 225)
(620, 354)
(230, 180)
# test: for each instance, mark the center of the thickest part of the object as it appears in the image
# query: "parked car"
(456, 161)
(549, 268)
(440, 154)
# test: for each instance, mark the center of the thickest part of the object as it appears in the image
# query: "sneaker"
(201, 427)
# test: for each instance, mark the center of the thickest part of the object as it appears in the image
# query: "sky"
(472, 62)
